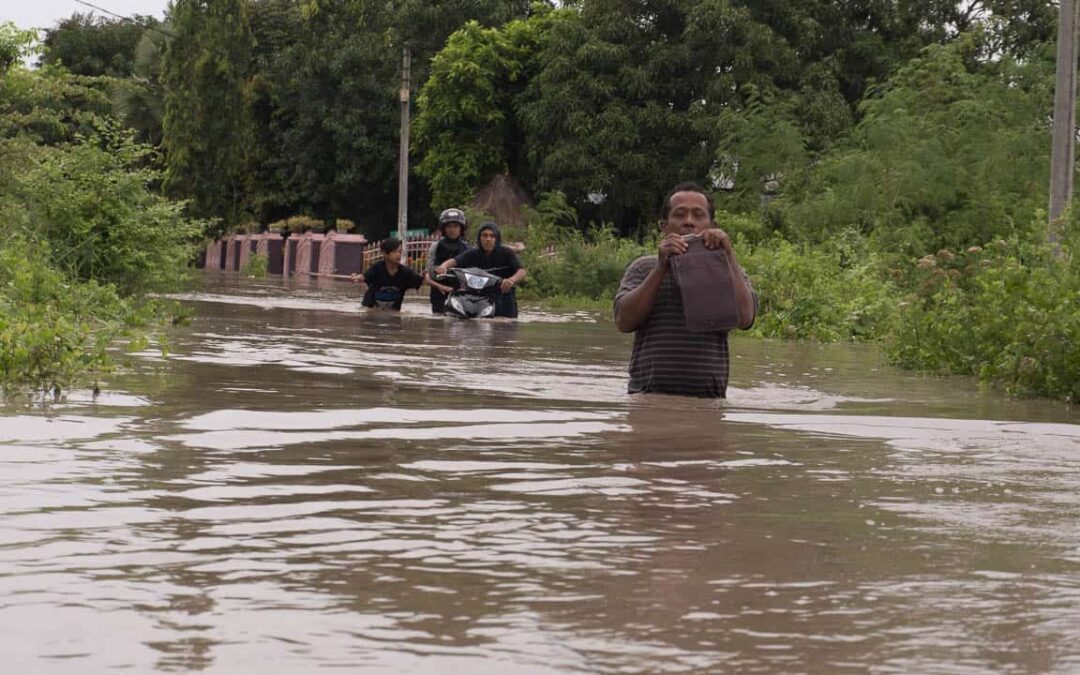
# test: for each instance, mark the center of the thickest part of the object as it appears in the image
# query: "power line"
(127, 18)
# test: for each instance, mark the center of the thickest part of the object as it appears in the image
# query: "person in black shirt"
(493, 257)
(387, 280)
(452, 222)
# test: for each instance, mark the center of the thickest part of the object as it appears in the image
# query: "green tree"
(14, 44)
(139, 101)
(946, 155)
(50, 105)
(331, 114)
(467, 128)
(207, 130)
(425, 26)
(90, 45)
(625, 101)
(325, 100)
(758, 147)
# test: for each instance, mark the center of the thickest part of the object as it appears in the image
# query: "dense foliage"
(1006, 312)
(85, 233)
(469, 131)
(946, 154)
(206, 127)
(86, 44)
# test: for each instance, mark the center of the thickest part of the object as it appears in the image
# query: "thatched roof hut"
(502, 199)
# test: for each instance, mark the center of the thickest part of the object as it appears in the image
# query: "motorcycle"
(474, 294)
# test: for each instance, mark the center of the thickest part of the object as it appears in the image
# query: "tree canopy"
(87, 44)
(271, 108)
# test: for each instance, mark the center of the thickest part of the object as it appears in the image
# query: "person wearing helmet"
(452, 224)
(491, 256)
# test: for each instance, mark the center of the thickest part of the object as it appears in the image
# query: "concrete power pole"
(403, 154)
(1063, 152)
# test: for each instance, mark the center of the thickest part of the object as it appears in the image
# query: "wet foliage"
(86, 234)
(1005, 312)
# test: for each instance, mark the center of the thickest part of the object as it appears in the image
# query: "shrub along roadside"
(54, 331)
(1007, 313)
(91, 202)
(568, 268)
(827, 293)
(85, 238)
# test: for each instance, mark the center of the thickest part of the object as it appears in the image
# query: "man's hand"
(356, 278)
(670, 245)
(440, 270)
(716, 238)
(506, 285)
(441, 288)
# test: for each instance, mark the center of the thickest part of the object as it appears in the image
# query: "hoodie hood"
(494, 228)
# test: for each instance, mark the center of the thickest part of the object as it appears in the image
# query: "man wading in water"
(667, 357)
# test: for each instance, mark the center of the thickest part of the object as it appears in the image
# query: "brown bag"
(705, 280)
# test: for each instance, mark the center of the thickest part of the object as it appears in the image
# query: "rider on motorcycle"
(497, 259)
(452, 222)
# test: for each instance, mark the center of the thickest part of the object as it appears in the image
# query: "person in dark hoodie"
(452, 222)
(493, 257)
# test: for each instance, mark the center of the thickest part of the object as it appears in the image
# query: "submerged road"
(299, 484)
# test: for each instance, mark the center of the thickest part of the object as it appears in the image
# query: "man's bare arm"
(512, 280)
(634, 308)
(744, 298)
(447, 265)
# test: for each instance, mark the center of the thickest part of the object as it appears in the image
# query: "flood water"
(298, 484)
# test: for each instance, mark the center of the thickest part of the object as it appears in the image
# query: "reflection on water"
(302, 485)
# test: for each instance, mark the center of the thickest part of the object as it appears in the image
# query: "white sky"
(45, 13)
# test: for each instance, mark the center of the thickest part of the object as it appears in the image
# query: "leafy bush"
(828, 293)
(256, 266)
(304, 224)
(1006, 313)
(91, 201)
(568, 264)
(85, 234)
(54, 331)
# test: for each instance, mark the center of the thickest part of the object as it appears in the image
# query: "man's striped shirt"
(667, 358)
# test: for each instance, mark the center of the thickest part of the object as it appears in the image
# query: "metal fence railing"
(415, 253)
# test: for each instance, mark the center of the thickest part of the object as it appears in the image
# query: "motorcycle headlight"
(488, 311)
(475, 281)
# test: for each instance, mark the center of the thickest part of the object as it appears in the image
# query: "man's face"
(393, 257)
(452, 230)
(689, 214)
(487, 241)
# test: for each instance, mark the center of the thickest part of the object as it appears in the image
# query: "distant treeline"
(271, 108)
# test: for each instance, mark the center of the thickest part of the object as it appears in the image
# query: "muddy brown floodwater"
(299, 484)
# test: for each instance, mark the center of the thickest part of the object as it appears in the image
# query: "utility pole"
(1063, 152)
(403, 155)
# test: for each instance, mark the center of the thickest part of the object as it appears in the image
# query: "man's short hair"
(687, 186)
(389, 245)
